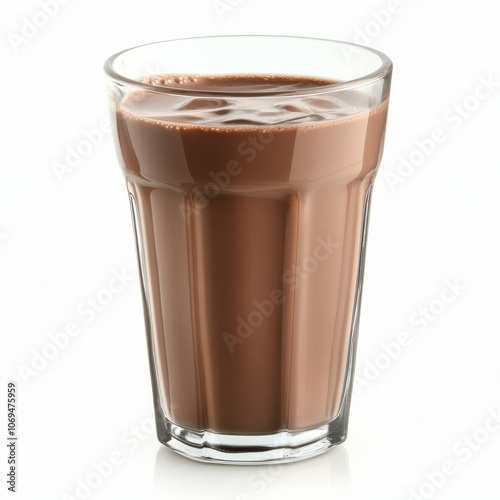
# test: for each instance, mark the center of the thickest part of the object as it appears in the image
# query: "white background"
(62, 238)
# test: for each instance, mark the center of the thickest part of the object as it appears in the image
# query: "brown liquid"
(250, 217)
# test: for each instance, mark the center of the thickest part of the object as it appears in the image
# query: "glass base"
(280, 447)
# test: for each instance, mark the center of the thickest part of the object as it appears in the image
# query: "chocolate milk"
(250, 214)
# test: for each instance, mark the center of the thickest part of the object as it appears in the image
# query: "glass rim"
(383, 70)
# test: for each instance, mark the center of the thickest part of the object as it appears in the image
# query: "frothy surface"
(255, 108)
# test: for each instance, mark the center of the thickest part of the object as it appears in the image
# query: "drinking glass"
(249, 163)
